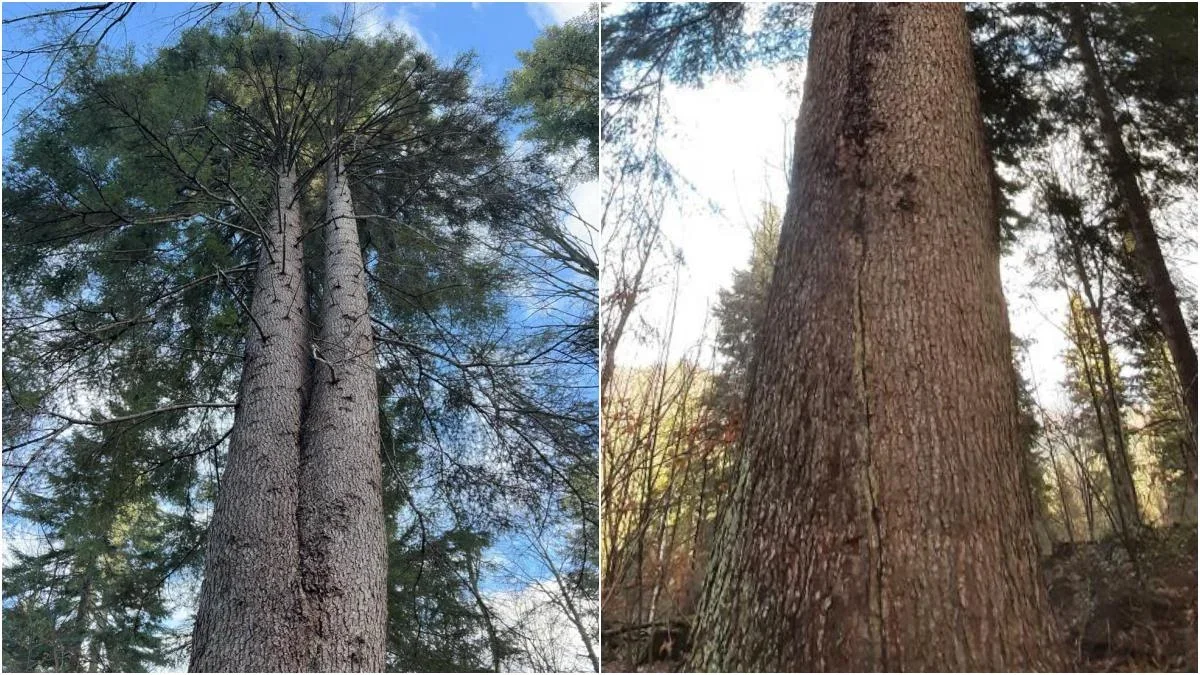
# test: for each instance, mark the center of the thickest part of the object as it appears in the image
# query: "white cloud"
(586, 199)
(555, 13)
(375, 20)
(729, 141)
(546, 632)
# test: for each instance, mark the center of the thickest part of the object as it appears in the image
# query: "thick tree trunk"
(343, 541)
(1124, 175)
(250, 600)
(880, 519)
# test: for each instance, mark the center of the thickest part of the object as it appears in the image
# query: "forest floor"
(1114, 620)
(1118, 623)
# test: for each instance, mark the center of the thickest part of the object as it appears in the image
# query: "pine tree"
(739, 312)
(1124, 174)
(163, 229)
(902, 360)
(557, 82)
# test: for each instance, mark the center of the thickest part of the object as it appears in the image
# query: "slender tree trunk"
(566, 604)
(669, 508)
(1105, 404)
(625, 301)
(701, 516)
(343, 541)
(489, 624)
(1062, 498)
(1125, 176)
(1088, 504)
(881, 519)
(1123, 466)
(1088, 493)
(1186, 446)
(250, 601)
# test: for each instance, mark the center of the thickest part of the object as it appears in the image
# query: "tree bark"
(250, 604)
(881, 518)
(343, 541)
(1124, 175)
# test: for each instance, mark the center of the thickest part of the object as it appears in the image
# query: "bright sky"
(735, 170)
(495, 31)
(730, 139)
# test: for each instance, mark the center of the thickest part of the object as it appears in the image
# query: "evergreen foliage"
(132, 209)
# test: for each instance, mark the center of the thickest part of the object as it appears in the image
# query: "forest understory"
(1113, 620)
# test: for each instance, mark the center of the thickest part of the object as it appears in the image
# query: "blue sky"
(495, 31)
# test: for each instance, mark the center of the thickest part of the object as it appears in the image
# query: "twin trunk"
(343, 548)
(880, 518)
(296, 568)
(250, 602)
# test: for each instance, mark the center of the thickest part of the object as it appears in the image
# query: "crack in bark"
(875, 529)
(871, 35)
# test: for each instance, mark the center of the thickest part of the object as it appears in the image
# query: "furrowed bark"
(343, 547)
(250, 601)
(880, 518)
(1124, 175)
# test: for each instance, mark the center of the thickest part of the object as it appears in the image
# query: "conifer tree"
(818, 542)
(172, 256)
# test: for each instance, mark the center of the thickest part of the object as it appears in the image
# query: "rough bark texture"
(250, 600)
(1125, 176)
(343, 547)
(879, 519)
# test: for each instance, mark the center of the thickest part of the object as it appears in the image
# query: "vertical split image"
(599, 337)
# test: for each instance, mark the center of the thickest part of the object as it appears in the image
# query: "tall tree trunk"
(1090, 506)
(250, 600)
(1088, 494)
(343, 541)
(625, 300)
(1125, 176)
(1103, 389)
(881, 519)
(1068, 521)
(564, 601)
(494, 645)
